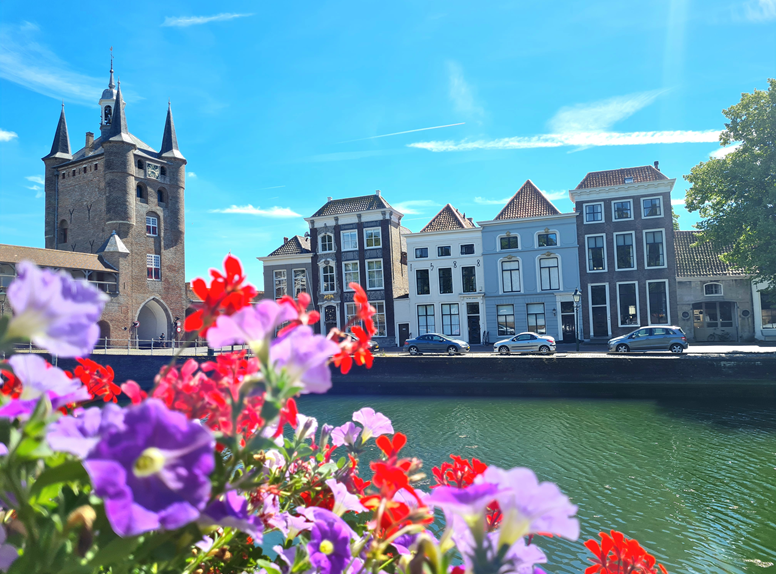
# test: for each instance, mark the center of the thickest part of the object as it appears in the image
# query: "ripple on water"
(694, 483)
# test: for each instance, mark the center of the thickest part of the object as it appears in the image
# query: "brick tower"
(120, 199)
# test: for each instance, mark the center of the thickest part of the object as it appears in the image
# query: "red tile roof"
(527, 202)
(448, 219)
(614, 177)
(297, 245)
(57, 258)
(352, 205)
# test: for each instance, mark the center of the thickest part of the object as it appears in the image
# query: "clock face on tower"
(152, 170)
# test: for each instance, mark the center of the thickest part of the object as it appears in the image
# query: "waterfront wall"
(616, 376)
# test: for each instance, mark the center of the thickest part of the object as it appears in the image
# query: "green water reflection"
(694, 483)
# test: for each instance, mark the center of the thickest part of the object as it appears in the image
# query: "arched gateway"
(155, 319)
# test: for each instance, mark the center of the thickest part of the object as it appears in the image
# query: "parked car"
(435, 343)
(662, 338)
(373, 346)
(525, 343)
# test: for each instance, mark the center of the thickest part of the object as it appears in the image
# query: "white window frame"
(450, 247)
(323, 283)
(527, 314)
(665, 249)
(350, 306)
(282, 275)
(429, 282)
(154, 226)
(662, 208)
(155, 263)
(608, 307)
(345, 280)
(538, 233)
(433, 315)
(382, 277)
(501, 274)
(376, 318)
(638, 308)
(614, 213)
(584, 212)
(633, 249)
(451, 315)
(668, 303)
(462, 245)
(320, 243)
(498, 242)
(539, 273)
(587, 259)
(721, 289)
(376, 233)
(476, 280)
(439, 283)
(306, 282)
(514, 319)
(415, 253)
(351, 233)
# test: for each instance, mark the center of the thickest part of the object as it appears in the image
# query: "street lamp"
(577, 296)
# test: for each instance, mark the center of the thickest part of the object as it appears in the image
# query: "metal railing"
(135, 346)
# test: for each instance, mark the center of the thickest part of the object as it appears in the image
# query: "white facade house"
(446, 280)
(764, 307)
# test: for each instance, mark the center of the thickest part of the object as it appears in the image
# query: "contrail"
(407, 132)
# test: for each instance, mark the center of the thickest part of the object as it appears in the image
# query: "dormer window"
(628, 180)
(710, 289)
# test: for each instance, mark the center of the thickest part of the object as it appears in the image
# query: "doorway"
(329, 318)
(154, 324)
(568, 322)
(473, 320)
(404, 333)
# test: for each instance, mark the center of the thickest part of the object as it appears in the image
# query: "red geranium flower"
(11, 385)
(225, 296)
(619, 555)
(301, 304)
(98, 379)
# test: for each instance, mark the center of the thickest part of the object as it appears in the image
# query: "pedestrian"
(161, 340)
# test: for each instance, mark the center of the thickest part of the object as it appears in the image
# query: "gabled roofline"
(522, 219)
(393, 209)
(440, 232)
(281, 258)
(641, 188)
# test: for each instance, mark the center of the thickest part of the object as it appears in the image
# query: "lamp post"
(577, 296)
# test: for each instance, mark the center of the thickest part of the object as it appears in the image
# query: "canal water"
(695, 483)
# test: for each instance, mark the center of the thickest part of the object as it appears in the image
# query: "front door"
(330, 318)
(404, 333)
(568, 322)
(600, 324)
(474, 330)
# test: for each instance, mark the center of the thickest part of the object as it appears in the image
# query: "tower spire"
(111, 85)
(60, 148)
(118, 125)
(169, 139)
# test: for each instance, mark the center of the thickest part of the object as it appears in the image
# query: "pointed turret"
(118, 126)
(60, 149)
(169, 147)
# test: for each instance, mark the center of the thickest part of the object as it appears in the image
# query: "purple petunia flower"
(530, 507)
(346, 434)
(344, 501)
(254, 325)
(8, 553)
(79, 432)
(39, 378)
(292, 524)
(329, 545)
(58, 313)
(304, 356)
(375, 424)
(403, 543)
(152, 473)
(231, 509)
(468, 503)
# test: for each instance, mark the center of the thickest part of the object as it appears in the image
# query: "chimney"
(657, 165)
(328, 198)
(377, 193)
(285, 240)
(89, 142)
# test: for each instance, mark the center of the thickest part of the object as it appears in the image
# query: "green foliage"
(736, 194)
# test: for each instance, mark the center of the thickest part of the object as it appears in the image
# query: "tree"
(736, 194)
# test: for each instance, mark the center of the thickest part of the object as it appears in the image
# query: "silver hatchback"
(663, 338)
(525, 343)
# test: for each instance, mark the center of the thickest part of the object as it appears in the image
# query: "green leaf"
(116, 550)
(70, 471)
(31, 448)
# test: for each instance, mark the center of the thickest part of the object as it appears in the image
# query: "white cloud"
(35, 179)
(6, 136)
(485, 201)
(583, 139)
(405, 132)
(414, 206)
(25, 61)
(191, 175)
(461, 92)
(555, 195)
(677, 202)
(723, 151)
(34, 187)
(276, 212)
(183, 21)
(760, 10)
(601, 115)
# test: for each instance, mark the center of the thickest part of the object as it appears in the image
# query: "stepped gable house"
(531, 270)
(357, 239)
(114, 216)
(626, 250)
(714, 299)
(446, 280)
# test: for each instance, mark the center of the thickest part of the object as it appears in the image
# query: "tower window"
(164, 170)
(63, 231)
(140, 192)
(153, 267)
(96, 166)
(140, 164)
(160, 195)
(152, 226)
(63, 175)
(73, 173)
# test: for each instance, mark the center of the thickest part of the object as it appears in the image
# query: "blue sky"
(277, 108)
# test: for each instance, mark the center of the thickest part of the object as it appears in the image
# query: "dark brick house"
(627, 261)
